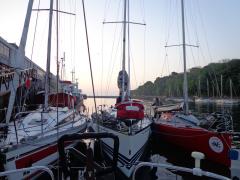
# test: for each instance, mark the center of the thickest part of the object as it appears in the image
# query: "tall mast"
(207, 88)
(19, 58)
(48, 56)
(221, 86)
(213, 90)
(231, 94)
(124, 47)
(63, 67)
(129, 63)
(199, 87)
(185, 83)
(73, 75)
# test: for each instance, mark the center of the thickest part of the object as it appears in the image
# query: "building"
(27, 71)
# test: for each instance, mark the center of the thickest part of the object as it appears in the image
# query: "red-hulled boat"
(132, 109)
(62, 100)
(176, 128)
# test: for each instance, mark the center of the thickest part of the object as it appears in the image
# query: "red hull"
(130, 110)
(63, 99)
(214, 145)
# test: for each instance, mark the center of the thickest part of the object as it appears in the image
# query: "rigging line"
(209, 73)
(169, 22)
(165, 59)
(63, 12)
(89, 57)
(178, 38)
(194, 20)
(106, 7)
(74, 36)
(112, 69)
(134, 71)
(144, 55)
(187, 25)
(112, 50)
(167, 64)
(102, 62)
(35, 31)
(204, 30)
(64, 40)
(189, 39)
(208, 49)
(71, 34)
(128, 53)
(57, 57)
(142, 6)
(121, 22)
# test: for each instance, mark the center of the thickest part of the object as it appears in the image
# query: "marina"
(183, 124)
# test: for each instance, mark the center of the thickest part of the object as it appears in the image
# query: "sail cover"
(122, 74)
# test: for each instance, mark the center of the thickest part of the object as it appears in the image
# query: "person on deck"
(157, 102)
(119, 98)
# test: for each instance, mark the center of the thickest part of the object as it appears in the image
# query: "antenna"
(73, 75)
(63, 67)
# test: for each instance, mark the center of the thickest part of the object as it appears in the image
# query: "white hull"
(37, 148)
(131, 147)
(42, 152)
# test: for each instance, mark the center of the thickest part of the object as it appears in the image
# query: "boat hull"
(131, 147)
(214, 145)
(40, 152)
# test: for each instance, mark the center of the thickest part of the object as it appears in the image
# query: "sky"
(213, 25)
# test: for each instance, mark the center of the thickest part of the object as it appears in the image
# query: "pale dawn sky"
(212, 24)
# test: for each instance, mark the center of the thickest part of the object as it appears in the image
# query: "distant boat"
(219, 100)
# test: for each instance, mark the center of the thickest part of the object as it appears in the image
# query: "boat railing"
(196, 171)
(34, 168)
(222, 122)
(42, 123)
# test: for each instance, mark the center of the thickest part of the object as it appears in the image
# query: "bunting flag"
(28, 83)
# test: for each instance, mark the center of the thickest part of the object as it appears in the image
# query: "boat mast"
(213, 90)
(207, 88)
(231, 94)
(48, 56)
(185, 83)
(63, 67)
(129, 64)
(221, 86)
(19, 58)
(199, 87)
(124, 49)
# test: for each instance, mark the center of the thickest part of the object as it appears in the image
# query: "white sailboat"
(31, 140)
(125, 119)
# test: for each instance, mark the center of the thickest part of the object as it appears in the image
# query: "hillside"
(197, 77)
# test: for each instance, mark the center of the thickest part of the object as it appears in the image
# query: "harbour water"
(163, 152)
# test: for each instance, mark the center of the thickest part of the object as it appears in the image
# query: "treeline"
(213, 80)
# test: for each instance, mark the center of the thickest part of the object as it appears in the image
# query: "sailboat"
(126, 119)
(31, 138)
(183, 129)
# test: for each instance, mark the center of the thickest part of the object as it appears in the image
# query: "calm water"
(167, 153)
